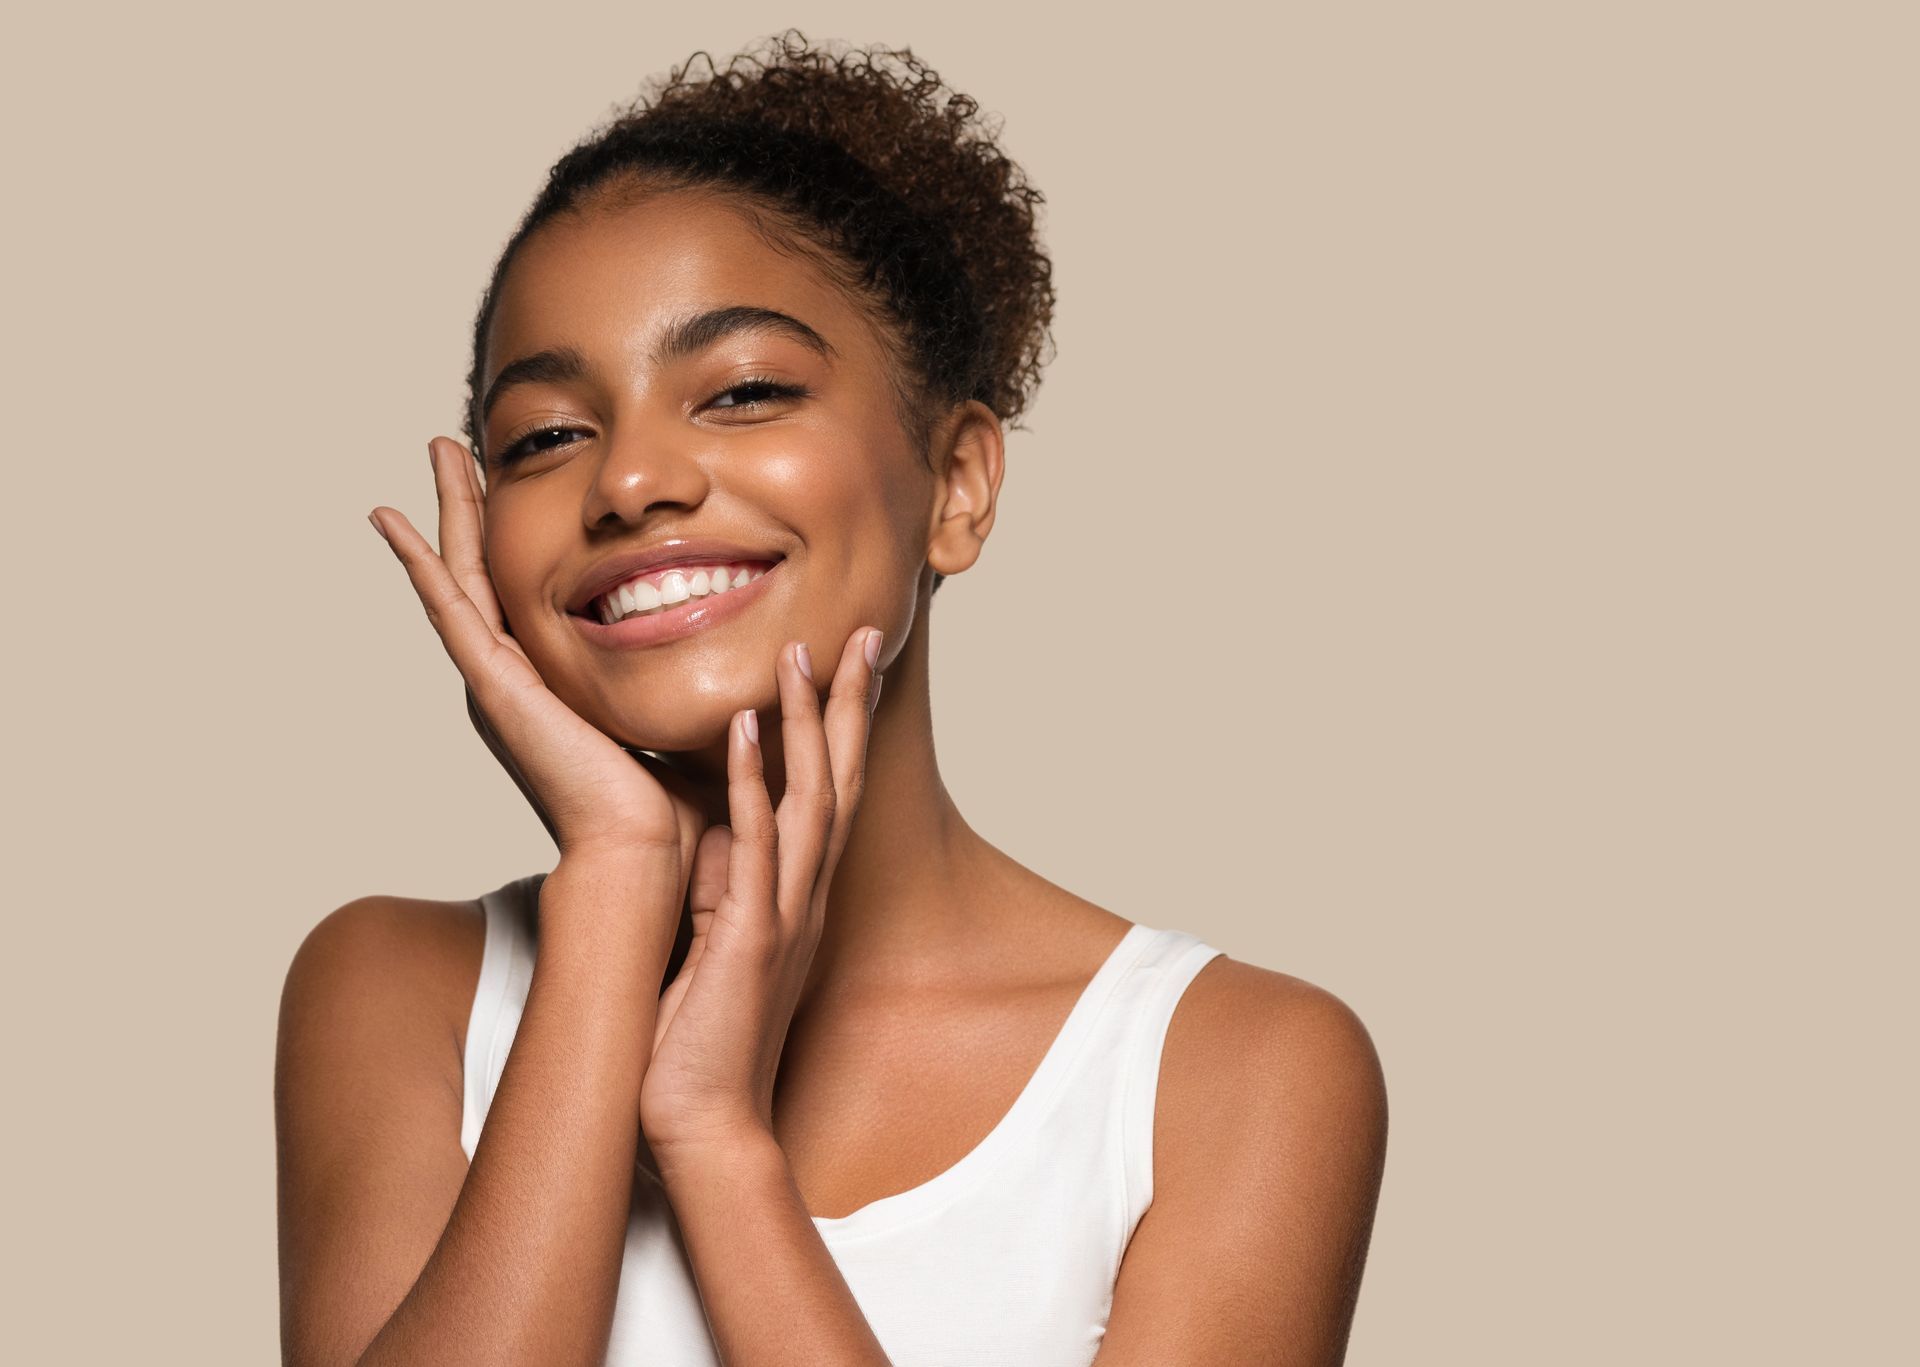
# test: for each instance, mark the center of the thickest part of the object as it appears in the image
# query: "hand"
(758, 898)
(593, 796)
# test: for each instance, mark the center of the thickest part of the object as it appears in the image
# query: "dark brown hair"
(863, 160)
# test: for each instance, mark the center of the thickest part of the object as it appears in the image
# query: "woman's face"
(658, 444)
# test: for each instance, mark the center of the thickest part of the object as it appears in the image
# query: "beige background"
(1463, 555)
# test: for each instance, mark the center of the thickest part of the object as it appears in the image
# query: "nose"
(641, 465)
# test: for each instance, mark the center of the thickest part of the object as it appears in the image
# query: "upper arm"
(1269, 1139)
(367, 1109)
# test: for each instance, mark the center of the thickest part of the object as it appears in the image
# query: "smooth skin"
(870, 983)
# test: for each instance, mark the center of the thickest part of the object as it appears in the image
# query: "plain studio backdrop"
(1463, 555)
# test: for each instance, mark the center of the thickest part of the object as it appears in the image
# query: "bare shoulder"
(1264, 1076)
(1270, 1131)
(368, 1084)
(407, 963)
(1243, 1033)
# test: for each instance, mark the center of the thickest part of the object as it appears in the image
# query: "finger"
(476, 652)
(711, 858)
(849, 723)
(755, 851)
(462, 530)
(808, 800)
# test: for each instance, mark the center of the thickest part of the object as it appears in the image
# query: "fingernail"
(750, 723)
(873, 699)
(433, 458)
(378, 528)
(873, 647)
(804, 658)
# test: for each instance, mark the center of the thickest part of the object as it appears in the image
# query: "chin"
(707, 735)
(689, 719)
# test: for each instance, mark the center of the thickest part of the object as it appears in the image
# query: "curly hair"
(863, 160)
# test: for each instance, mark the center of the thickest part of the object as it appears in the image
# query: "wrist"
(737, 1153)
(632, 896)
(630, 871)
(623, 859)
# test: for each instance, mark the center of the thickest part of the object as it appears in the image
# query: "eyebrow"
(683, 337)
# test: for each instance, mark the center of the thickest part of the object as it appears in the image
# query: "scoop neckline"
(889, 1212)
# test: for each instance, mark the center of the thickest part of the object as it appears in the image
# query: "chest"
(873, 1100)
(972, 1223)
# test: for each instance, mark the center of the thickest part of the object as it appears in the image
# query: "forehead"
(609, 280)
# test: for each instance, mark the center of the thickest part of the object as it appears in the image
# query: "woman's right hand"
(594, 797)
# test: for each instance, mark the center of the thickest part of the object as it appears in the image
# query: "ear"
(970, 454)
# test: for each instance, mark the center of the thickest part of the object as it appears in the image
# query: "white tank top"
(1006, 1259)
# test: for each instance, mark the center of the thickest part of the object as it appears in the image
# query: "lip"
(674, 623)
(617, 569)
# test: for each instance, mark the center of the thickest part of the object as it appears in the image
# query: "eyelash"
(774, 389)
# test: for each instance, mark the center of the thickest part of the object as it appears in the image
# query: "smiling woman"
(781, 1060)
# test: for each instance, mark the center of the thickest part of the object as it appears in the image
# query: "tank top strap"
(1161, 975)
(506, 975)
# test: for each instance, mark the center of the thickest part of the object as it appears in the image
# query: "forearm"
(529, 1264)
(772, 1292)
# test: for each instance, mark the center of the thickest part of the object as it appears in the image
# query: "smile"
(664, 605)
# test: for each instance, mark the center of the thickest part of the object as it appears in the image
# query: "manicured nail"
(433, 458)
(378, 528)
(750, 723)
(804, 658)
(873, 647)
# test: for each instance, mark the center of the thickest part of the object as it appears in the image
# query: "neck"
(913, 885)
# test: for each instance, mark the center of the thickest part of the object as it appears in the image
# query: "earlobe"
(972, 467)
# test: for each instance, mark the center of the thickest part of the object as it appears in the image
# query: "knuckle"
(823, 799)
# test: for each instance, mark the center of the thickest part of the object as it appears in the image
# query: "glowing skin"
(829, 481)
(943, 969)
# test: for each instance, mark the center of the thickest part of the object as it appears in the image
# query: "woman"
(781, 1062)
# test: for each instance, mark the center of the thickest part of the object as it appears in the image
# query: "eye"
(529, 444)
(756, 392)
(749, 394)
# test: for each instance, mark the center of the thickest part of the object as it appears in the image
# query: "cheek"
(518, 560)
(845, 500)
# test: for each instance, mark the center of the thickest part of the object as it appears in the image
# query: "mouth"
(671, 603)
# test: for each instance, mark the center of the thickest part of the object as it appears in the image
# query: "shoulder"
(1247, 1032)
(388, 964)
(368, 1107)
(1270, 1129)
(1270, 1074)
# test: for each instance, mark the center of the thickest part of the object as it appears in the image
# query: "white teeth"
(676, 586)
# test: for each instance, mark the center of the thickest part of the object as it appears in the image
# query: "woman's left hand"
(758, 898)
